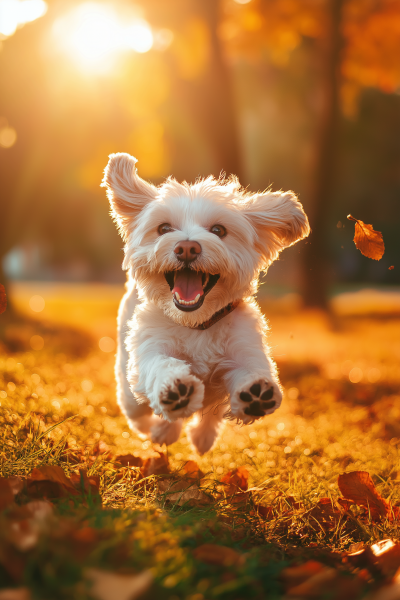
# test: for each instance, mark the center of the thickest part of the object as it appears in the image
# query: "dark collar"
(220, 314)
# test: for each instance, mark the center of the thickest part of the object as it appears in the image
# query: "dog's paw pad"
(258, 399)
(177, 396)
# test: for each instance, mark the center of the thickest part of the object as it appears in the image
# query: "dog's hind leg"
(204, 434)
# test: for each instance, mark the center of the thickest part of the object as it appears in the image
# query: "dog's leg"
(250, 374)
(204, 434)
(167, 383)
(164, 432)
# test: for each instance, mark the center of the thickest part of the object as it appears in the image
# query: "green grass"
(58, 408)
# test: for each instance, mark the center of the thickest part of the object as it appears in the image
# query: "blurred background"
(297, 94)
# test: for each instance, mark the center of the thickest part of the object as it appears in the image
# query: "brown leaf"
(293, 576)
(15, 594)
(345, 504)
(359, 487)
(112, 586)
(266, 512)
(387, 556)
(340, 587)
(325, 513)
(85, 483)
(183, 492)
(236, 480)
(50, 482)
(3, 299)
(6, 493)
(155, 466)
(192, 470)
(367, 240)
(128, 460)
(213, 554)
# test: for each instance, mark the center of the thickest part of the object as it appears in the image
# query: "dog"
(191, 337)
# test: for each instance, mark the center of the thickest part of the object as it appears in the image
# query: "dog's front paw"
(181, 397)
(256, 399)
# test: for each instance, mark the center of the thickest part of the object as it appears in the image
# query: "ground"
(341, 408)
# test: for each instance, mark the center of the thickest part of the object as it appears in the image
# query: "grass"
(340, 413)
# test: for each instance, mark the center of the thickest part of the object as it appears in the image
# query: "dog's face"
(193, 249)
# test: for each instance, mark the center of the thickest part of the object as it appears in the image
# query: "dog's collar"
(220, 314)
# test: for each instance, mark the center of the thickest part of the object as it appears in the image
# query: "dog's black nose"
(187, 251)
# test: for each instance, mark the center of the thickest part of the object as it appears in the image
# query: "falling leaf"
(157, 465)
(294, 576)
(6, 493)
(3, 299)
(112, 586)
(50, 482)
(128, 460)
(367, 240)
(359, 487)
(213, 554)
(236, 480)
(15, 594)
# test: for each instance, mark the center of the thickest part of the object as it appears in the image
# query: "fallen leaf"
(112, 586)
(50, 482)
(294, 576)
(128, 460)
(6, 493)
(345, 504)
(183, 492)
(236, 480)
(387, 556)
(325, 513)
(266, 512)
(15, 594)
(192, 470)
(359, 487)
(314, 586)
(16, 484)
(213, 554)
(84, 483)
(367, 240)
(387, 592)
(157, 465)
(3, 299)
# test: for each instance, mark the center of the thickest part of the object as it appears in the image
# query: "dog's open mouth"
(189, 288)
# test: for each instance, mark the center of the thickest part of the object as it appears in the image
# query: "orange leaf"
(21, 593)
(6, 493)
(86, 482)
(128, 460)
(155, 466)
(213, 554)
(236, 480)
(367, 240)
(51, 482)
(325, 513)
(359, 487)
(293, 576)
(266, 512)
(109, 586)
(192, 470)
(3, 299)
(391, 268)
(387, 556)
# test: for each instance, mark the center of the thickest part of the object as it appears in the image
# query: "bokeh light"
(106, 344)
(355, 375)
(37, 303)
(15, 13)
(93, 35)
(36, 342)
(8, 137)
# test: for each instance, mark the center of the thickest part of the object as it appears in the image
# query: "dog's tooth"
(197, 298)
(177, 296)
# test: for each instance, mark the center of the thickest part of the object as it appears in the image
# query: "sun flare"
(93, 35)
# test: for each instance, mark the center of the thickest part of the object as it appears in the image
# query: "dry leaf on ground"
(236, 480)
(213, 554)
(325, 514)
(129, 460)
(85, 483)
(183, 492)
(367, 240)
(6, 493)
(294, 576)
(15, 594)
(192, 470)
(359, 487)
(113, 586)
(3, 299)
(51, 482)
(157, 465)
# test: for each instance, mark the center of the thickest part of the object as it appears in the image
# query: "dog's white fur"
(157, 345)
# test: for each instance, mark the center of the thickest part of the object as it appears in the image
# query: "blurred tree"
(357, 45)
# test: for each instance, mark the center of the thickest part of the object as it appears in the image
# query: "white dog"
(191, 336)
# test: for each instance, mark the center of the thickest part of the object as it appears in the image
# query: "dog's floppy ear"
(127, 192)
(279, 221)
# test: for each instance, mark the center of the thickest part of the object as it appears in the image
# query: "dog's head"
(193, 249)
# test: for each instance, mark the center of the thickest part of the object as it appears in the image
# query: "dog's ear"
(127, 192)
(279, 221)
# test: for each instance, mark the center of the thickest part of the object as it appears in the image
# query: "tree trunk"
(316, 263)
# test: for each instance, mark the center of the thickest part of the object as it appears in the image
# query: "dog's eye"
(165, 228)
(219, 230)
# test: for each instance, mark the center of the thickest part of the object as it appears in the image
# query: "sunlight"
(15, 13)
(93, 35)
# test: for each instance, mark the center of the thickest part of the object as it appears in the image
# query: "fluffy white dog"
(191, 336)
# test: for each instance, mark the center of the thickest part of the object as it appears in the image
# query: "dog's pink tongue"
(188, 284)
